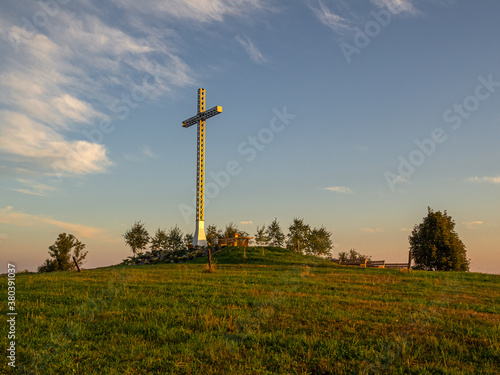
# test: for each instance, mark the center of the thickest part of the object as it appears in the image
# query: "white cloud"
(339, 189)
(472, 224)
(48, 151)
(252, 50)
(489, 180)
(396, 6)
(246, 222)
(372, 230)
(10, 217)
(195, 10)
(330, 19)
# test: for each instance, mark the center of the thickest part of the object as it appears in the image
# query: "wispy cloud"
(396, 6)
(372, 230)
(196, 10)
(34, 188)
(472, 224)
(246, 222)
(339, 189)
(144, 153)
(488, 180)
(330, 19)
(252, 50)
(10, 217)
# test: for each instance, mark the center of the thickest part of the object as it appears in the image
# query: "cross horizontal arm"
(202, 116)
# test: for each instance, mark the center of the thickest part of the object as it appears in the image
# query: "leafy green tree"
(274, 234)
(352, 255)
(319, 242)
(175, 240)
(62, 252)
(137, 237)
(213, 234)
(231, 230)
(261, 236)
(159, 241)
(298, 236)
(188, 239)
(435, 246)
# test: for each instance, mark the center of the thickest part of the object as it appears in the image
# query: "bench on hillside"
(397, 266)
(375, 263)
(354, 262)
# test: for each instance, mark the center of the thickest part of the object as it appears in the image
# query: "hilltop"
(277, 313)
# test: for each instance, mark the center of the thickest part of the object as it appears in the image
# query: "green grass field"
(277, 313)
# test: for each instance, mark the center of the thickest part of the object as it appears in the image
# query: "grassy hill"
(277, 313)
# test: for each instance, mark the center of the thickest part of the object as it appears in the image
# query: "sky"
(355, 115)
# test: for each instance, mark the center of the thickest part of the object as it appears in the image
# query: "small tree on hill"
(298, 236)
(159, 241)
(64, 251)
(231, 230)
(213, 234)
(261, 237)
(319, 242)
(175, 239)
(188, 239)
(435, 246)
(274, 234)
(137, 237)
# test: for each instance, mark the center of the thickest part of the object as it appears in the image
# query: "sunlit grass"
(264, 314)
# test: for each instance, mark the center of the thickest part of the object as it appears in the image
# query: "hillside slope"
(279, 314)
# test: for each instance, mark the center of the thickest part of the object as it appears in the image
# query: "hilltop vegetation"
(273, 312)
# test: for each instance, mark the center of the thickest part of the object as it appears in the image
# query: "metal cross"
(199, 235)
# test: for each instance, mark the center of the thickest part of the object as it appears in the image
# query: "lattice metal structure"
(200, 239)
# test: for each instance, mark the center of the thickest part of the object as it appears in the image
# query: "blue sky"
(353, 115)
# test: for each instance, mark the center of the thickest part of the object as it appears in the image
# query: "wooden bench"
(397, 266)
(354, 262)
(376, 263)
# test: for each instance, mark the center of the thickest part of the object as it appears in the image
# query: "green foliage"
(212, 234)
(319, 242)
(352, 255)
(159, 241)
(174, 240)
(261, 236)
(298, 236)
(188, 239)
(231, 230)
(274, 234)
(137, 237)
(435, 246)
(62, 252)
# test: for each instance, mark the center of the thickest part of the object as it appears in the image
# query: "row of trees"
(138, 238)
(301, 238)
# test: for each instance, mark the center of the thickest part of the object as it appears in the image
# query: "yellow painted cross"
(200, 239)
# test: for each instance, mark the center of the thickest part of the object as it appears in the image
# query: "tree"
(319, 242)
(261, 236)
(298, 236)
(213, 234)
(435, 246)
(174, 239)
(66, 248)
(137, 237)
(352, 255)
(159, 241)
(274, 234)
(188, 239)
(231, 230)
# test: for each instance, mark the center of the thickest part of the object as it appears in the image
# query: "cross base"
(199, 239)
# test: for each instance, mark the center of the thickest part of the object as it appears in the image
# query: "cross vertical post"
(199, 239)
